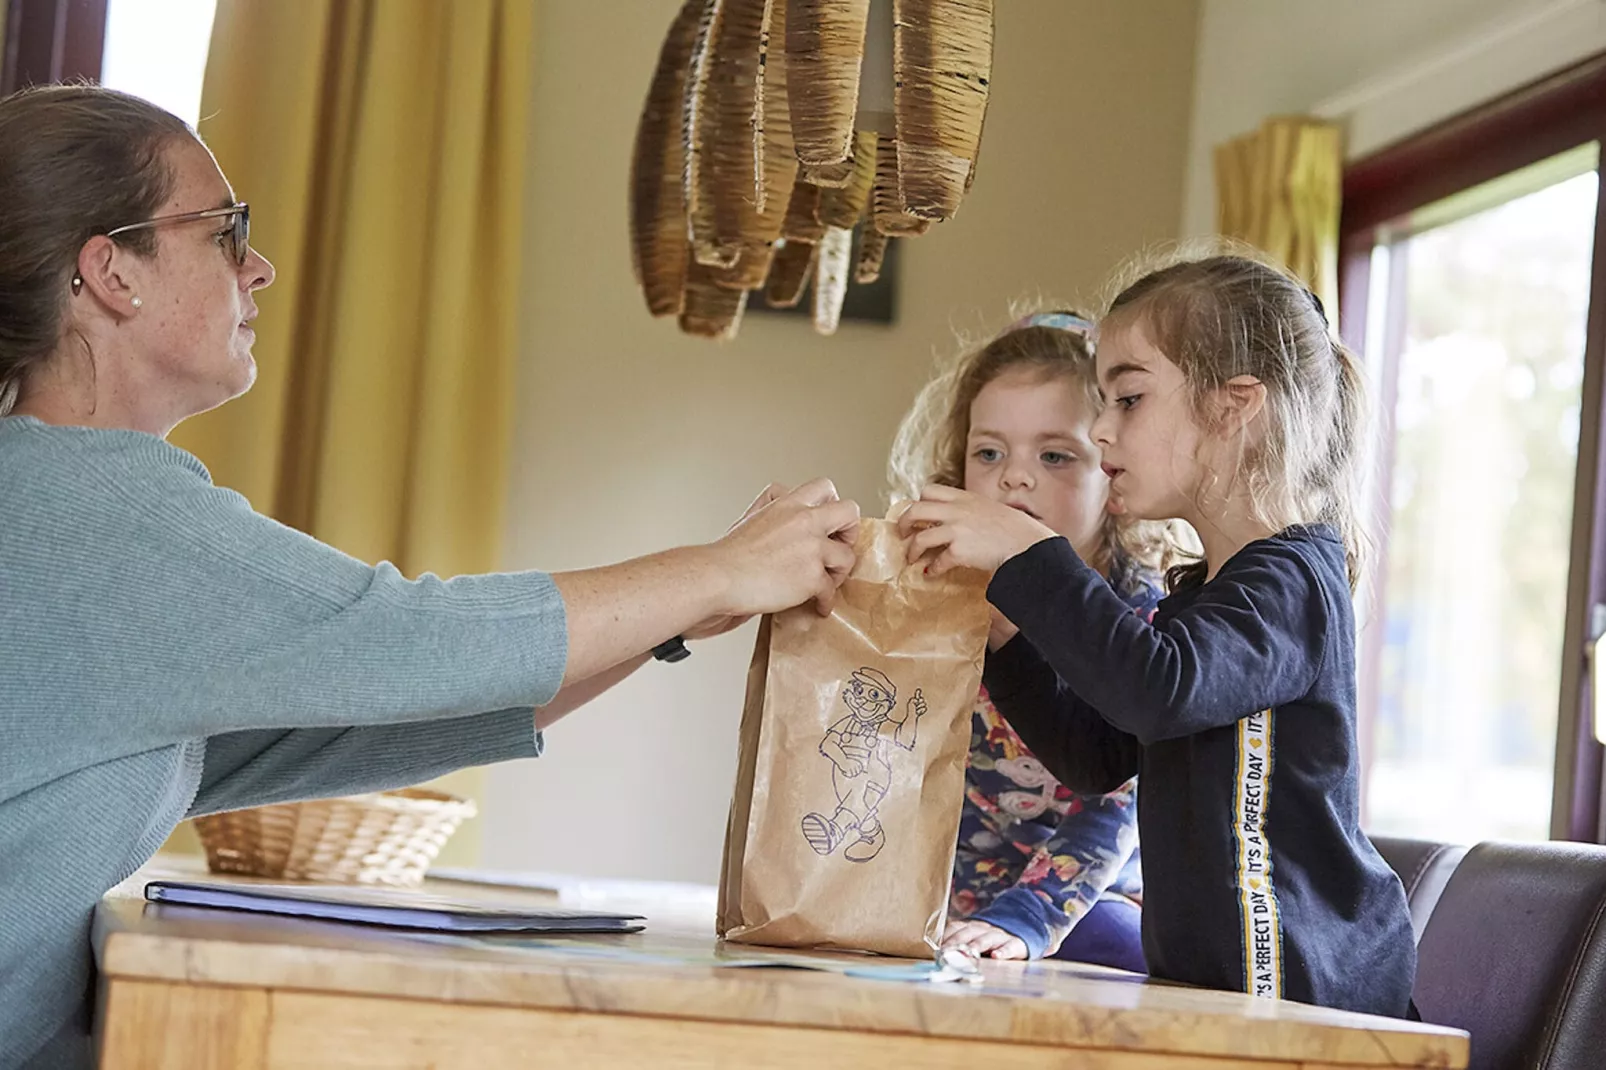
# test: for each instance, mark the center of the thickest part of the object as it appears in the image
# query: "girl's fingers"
(992, 941)
(923, 514)
(1012, 948)
(959, 934)
(923, 542)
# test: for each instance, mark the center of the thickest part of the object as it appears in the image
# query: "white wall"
(632, 437)
(1385, 67)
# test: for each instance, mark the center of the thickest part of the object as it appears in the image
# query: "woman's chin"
(244, 372)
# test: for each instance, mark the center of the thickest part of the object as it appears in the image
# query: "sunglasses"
(239, 235)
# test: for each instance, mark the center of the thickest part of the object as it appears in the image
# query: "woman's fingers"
(769, 494)
(839, 559)
(815, 492)
(836, 518)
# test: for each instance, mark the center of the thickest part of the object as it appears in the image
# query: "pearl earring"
(77, 285)
(136, 302)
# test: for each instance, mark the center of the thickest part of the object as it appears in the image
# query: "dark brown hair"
(75, 161)
(1221, 316)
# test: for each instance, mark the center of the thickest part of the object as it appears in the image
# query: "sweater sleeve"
(1251, 638)
(261, 766)
(206, 619)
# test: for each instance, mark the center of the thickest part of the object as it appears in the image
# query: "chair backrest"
(1424, 868)
(1513, 948)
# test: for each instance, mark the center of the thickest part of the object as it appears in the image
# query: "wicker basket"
(385, 838)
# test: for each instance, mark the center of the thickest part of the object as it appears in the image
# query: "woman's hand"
(788, 548)
(984, 939)
(725, 622)
(960, 529)
(791, 547)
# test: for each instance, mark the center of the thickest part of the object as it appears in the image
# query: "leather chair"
(1511, 947)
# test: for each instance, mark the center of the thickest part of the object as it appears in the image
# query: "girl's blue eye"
(1055, 458)
(988, 455)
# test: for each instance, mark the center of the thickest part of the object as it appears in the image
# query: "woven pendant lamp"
(774, 129)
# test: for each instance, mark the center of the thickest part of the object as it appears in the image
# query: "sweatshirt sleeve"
(1084, 751)
(1250, 639)
(1069, 872)
(207, 619)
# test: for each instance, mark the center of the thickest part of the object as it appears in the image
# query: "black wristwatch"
(671, 650)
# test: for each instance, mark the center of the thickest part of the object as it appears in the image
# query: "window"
(156, 49)
(1469, 270)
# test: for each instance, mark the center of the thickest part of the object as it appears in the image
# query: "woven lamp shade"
(775, 129)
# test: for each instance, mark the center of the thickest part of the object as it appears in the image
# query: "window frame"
(49, 41)
(1530, 124)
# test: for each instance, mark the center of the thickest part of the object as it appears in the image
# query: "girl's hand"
(1000, 629)
(961, 529)
(984, 939)
(789, 548)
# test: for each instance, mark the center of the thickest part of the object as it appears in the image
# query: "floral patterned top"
(1034, 856)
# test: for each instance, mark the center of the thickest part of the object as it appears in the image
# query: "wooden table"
(183, 989)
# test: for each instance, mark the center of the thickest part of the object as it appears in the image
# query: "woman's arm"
(793, 549)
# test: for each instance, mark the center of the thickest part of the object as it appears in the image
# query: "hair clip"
(1316, 303)
(1063, 321)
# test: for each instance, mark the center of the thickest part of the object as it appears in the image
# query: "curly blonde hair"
(930, 446)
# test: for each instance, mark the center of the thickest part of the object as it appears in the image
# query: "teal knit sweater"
(165, 651)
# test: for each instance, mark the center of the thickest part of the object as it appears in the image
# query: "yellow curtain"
(1280, 189)
(382, 145)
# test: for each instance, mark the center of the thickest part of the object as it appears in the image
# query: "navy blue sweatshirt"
(1235, 708)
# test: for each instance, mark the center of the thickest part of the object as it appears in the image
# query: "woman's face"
(191, 338)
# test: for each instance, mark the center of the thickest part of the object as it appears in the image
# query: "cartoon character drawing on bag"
(860, 748)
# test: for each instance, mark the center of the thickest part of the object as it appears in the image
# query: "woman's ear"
(103, 275)
(1239, 401)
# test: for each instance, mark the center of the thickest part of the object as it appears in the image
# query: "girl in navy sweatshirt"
(1228, 404)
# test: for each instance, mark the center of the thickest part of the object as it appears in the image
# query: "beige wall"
(631, 437)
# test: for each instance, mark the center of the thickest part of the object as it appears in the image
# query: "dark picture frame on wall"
(869, 302)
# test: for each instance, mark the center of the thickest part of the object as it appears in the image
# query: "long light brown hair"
(1229, 314)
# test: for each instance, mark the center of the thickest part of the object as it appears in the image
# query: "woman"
(166, 651)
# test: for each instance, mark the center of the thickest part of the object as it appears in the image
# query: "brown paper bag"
(851, 769)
